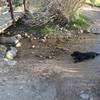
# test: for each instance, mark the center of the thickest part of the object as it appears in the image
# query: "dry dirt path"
(94, 15)
(57, 78)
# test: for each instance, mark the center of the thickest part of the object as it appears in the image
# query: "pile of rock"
(8, 50)
(7, 56)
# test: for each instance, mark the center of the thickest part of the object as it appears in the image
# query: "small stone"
(18, 45)
(95, 29)
(9, 62)
(84, 96)
(61, 28)
(8, 33)
(33, 52)
(27, 35)
(43, 40)
(39, 56)
(16, 41)
(81, 31)
(33, 46)
(18, 36)
(11, 53)
(21, 87)
(48, 57)
(34, 38)
(40, 61)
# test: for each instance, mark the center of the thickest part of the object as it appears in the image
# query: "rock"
(69, 35)
(95, 29)
(25, 42)
(21, 88)
(43, 40)
(10, 62)
(33, 46)
(5, 40)
(12, 40)
(18, 37)
(3, 50)
(81, 31)
(18, 45)
(39, 56)
(11, 53)
(48, 57)
(86, 95)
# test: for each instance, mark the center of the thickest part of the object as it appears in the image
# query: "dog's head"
(75, 53)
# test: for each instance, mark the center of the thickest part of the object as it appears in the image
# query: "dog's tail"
(97, 54)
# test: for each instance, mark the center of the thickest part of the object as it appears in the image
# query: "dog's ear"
(72, 54)
(75, 53)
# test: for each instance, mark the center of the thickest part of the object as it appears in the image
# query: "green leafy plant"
(42, 30)
(93, 2)
(79, 21)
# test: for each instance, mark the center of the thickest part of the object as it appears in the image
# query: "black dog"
(80, 56)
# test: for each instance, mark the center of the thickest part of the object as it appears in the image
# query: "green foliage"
(93, 2)
(79, 21)
(17, 3)
(42, 30)
(39, 30)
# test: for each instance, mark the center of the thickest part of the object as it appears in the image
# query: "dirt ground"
(48, 73)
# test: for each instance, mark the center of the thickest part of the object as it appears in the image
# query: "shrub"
(67, 7)
(70, 7)
(42, 31)
(93, 2)
(61, 11)
(79, 22)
